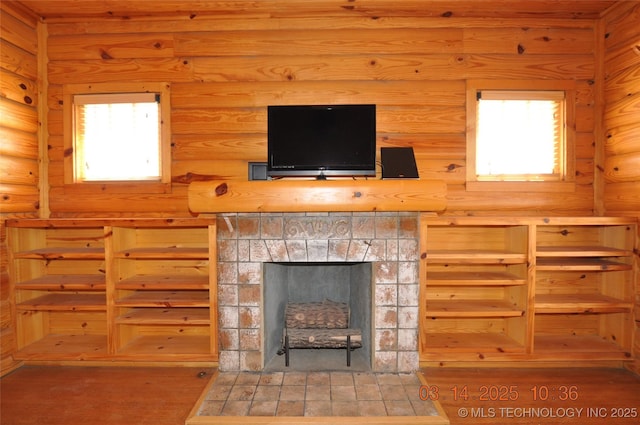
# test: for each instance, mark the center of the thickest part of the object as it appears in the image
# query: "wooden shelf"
(581, 251)
(164, 254)
(163, 282)
(471, 342)
(581, 347)
(65, 348)
(66, 302)
(62, 254)
(165, 316)
(165, 299)
(474, 279)
(476, 257)
(469, 308)
(86, 223)
(80, 282)
(580, 264)
(580, 303)
(168, 347)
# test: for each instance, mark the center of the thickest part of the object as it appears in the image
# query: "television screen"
(321, 140)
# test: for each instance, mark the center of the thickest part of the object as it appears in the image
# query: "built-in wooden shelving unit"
(492, 289)
(114, 289)
(584, 289)
(538, 289)
(475, 292)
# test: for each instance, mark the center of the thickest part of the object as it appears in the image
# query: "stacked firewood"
(317, 315)
(319, 325)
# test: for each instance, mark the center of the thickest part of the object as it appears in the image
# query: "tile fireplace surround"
(388, 240)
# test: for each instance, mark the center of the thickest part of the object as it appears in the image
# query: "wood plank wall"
(225, 70)
(622, 123)
(622, 110)
(19, 166)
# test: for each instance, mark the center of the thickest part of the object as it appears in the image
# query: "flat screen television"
(321, 141)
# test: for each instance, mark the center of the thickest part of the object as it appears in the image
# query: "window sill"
(528, 186)
(118, 187)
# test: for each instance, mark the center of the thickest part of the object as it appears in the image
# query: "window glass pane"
(518, 137)
(118, 141)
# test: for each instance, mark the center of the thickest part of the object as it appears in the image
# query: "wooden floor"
(537, 396)
(100, 395)
(159, 396)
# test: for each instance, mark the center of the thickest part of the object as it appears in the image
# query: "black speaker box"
(398, 163)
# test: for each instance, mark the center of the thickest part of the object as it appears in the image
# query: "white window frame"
(564, 179)
(111, 93)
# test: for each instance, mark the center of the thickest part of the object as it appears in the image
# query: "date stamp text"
(555, 401)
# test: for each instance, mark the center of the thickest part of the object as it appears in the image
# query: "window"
(518, 135)
(117, 129)
(117, 136)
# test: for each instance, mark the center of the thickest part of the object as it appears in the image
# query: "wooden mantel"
(219, 196)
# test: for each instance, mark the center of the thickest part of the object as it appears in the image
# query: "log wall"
(622, 111)
(19, 165)
(225, 70)
(621, 170)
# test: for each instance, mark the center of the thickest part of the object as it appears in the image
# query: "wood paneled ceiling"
(191, 9)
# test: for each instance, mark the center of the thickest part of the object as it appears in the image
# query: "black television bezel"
(321, 171)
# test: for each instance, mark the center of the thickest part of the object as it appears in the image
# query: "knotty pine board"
(317, 196)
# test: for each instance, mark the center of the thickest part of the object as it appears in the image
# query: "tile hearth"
(315, 394)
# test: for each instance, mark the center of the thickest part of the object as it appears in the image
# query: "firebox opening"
(343, 282)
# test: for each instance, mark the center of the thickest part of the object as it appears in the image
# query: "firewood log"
(317, 315)
(323, 338)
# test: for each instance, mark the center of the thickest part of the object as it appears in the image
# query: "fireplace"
(330, 284)
(383, 247)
